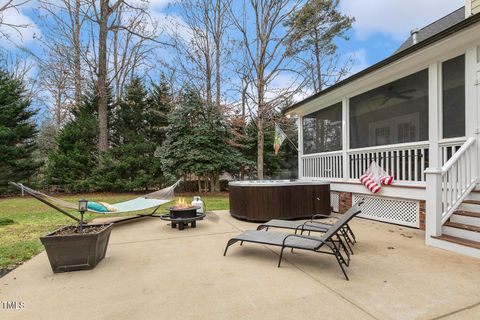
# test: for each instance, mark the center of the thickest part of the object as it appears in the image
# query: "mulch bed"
(76, 230)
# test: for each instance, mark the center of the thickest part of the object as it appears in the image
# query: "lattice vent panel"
(335, 201)
(399, 211)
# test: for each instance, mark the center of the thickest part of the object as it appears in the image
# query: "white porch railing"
(323, 165)
(448, 186)
(406, 162)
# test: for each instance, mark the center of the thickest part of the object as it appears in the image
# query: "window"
(322, 130)
(391, 114)
(453, 90)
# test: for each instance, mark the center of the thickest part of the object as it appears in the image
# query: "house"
(417, 114)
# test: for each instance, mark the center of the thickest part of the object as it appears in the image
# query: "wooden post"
(472, 94)
(434, 112)
(300, 146)
(345, 139)
(433, 203)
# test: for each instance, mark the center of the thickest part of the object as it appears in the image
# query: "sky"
(380, 26)
(379, 29)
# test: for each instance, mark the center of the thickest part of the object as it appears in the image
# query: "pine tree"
(17, 133)
(130, 163)
(72, 164)
(159, 107)
(313, 30)
(198, 141)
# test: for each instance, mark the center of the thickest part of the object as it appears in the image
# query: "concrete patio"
(154, 272)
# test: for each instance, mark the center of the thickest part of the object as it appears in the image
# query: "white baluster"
(415, 163)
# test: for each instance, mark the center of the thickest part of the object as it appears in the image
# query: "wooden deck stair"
(468, 214)
(460, 241)
(463, 227)
(475, 202)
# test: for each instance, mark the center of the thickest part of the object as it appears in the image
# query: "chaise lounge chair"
(311, 226)
(327, 243)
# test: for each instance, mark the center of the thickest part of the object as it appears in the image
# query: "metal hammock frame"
(57, 203)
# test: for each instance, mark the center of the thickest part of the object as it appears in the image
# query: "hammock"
(151, 200)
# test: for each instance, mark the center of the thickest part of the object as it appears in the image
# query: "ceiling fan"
(395, 94)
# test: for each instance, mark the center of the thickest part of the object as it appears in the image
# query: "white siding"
(475, 6)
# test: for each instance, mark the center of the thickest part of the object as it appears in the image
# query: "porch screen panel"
(391, 114)
(322, 130)
(453, 91)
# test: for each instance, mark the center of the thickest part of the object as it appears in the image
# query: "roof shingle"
(435, 27)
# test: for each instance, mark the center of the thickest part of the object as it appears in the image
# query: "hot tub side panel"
(262, 203)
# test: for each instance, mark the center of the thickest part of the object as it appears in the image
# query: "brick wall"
(422, 214)
(345, 201)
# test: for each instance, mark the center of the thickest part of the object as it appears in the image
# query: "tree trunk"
(208, 78)
(319, 85)
(77, 58)
(218, 31)
(102, 77)
(260, 128)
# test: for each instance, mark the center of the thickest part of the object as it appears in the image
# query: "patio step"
(460, 241)
(460, 230)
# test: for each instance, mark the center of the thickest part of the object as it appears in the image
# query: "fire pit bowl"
(182, 216)
(188, 212)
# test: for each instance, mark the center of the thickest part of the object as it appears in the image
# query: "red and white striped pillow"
(386, 180)
(368, 182)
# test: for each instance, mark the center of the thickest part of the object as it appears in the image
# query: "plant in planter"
(79, 247)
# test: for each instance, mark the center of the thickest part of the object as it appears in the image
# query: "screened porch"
(396, 124)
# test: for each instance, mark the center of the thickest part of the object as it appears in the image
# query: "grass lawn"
(23, 220)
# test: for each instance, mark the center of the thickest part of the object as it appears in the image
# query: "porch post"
(433, 205)
(434, 109)
(472, 94)
(433, 201)
(300, 146)
(345, 139)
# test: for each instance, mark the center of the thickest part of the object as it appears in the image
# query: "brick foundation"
(345, 201)
(422, 216)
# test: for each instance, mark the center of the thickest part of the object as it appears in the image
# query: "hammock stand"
(149, 202)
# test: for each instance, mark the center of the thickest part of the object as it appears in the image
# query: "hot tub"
(262, 200)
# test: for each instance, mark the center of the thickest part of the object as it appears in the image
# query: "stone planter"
(72, 252)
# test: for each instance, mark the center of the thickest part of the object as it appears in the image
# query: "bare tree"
(221, 21)
(130, 46)
(201, 46)
(64, 21)
(107, 17)
(7, 7)
(263, 40)
(56, 79)
(102, 12)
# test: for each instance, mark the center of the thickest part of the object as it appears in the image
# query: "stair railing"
(448, 186)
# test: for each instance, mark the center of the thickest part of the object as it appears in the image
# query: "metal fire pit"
(183, 216)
